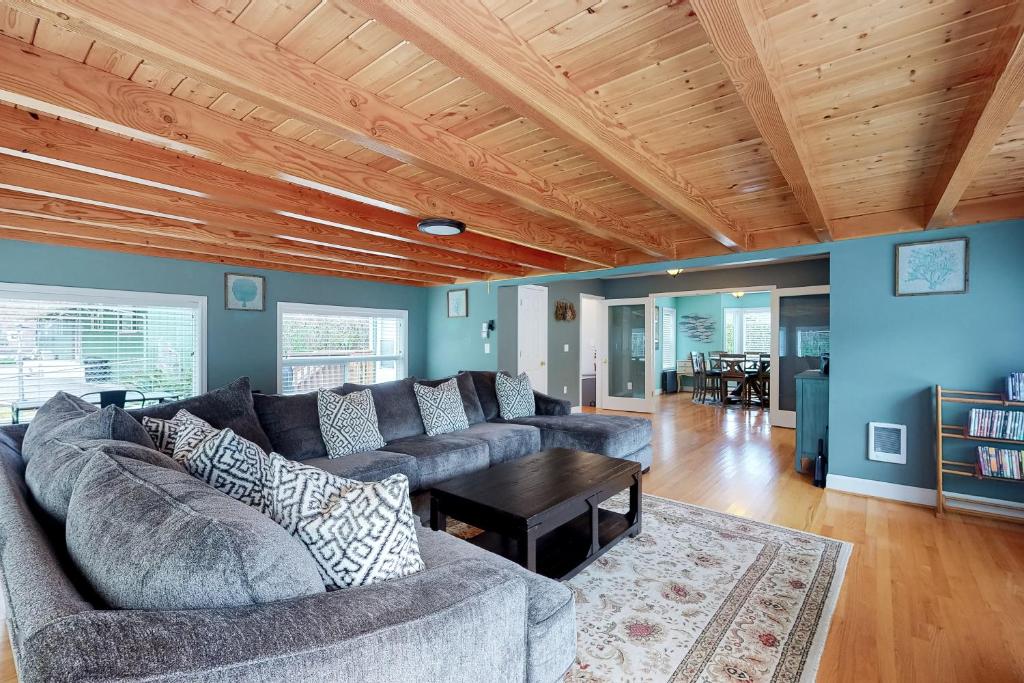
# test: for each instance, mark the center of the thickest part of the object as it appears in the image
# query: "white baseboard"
(922, 496)
(882, 489)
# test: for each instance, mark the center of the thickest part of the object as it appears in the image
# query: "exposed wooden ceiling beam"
(469, 39)
(984, 119)
(739, 32)
(198, 43)
(39, 176)
(99, 216)
(48, 137)
(90, 237)
(55, 85)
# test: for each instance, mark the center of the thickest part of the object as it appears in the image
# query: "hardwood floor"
(923, 600)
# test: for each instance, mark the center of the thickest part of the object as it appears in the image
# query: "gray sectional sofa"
(93, 519)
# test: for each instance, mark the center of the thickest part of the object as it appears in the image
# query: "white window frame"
(737, 313)
(284, 307)
(120, 297)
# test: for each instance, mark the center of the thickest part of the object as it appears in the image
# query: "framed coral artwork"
(935, 267)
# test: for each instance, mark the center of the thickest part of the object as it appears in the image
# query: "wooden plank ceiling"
(311, 135)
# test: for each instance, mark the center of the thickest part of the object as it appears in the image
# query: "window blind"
(324, 346)
(86, 341)
(668, 338)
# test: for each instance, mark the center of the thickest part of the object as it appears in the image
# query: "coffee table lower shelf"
(565, 551)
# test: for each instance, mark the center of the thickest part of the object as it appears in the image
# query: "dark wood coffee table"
(542, 510)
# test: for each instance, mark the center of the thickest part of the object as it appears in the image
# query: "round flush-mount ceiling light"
(441, 227)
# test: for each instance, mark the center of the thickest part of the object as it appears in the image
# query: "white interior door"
(533, 335)
(625, 355)
(800, 334)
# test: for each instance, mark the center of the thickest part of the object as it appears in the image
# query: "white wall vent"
(887, 442)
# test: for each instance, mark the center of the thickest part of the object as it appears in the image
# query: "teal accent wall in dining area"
(238, 342)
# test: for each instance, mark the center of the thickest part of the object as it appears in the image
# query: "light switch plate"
(567, 348)
(487, 348)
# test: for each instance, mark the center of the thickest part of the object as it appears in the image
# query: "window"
(748, 330)
(812, 341)
(84, 341)
(326, 346)
(668, 339)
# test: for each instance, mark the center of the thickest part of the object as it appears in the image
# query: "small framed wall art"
(933, 267)
(244, 292)
(458, 303)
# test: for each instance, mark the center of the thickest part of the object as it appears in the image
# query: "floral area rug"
(701, 596)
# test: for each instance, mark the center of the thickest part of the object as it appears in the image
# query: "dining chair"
(700, 384)
(115, 397)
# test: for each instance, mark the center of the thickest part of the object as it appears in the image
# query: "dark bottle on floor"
(820, 465)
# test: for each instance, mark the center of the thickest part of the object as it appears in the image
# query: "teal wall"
(708, 305)
(889, 352)
(455, 343)
(238, 342)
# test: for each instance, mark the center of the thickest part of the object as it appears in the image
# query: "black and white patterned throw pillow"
(441, 407)
(232, 465)
(359, 533)
(163, 432)
(189, 432)
(515, 396)
(348, 423)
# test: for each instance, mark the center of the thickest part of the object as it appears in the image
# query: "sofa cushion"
(505, 441)
(359, 533)
(398, 413)
(515, 396)
(442, 457)
(229, 407)
(551, 611)
(52, 474)
(441, 407)
(148, 537)
(348, 423)
(292, 423)
(612, 435)
(69, 418)
(644, 456)
(370, 466)
(486, 392)
(467, 389)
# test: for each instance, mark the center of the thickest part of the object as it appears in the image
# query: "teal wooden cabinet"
(811, 414)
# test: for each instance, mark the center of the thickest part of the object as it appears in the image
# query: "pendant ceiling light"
(441, 227)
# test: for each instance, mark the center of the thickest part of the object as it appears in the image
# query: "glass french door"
(800, 335)
(625, 355)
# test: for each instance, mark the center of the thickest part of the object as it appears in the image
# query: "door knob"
(542, 363)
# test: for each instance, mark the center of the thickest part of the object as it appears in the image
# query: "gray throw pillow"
(441, 407)
(515, 396)
(229, 407)
(52, 474)
(292, 423)
(348, 423)
(69, 418)
(359, 533)
(147, 537)
(232, 465)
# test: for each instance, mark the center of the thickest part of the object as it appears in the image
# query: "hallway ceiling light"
(441, 227)
(738, 295)
(674, 271)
